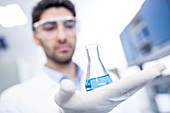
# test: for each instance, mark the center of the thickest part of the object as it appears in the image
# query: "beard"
(60, 59)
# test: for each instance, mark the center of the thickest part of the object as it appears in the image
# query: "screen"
(147, 36)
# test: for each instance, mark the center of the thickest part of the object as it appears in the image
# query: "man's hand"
(103, 99)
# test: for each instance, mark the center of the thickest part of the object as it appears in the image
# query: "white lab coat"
(33, 96)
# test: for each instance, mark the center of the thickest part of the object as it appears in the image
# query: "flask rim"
(89, 46)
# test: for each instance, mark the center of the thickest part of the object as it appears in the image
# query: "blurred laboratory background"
(132, 35)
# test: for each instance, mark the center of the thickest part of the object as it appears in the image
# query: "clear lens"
(49, 29)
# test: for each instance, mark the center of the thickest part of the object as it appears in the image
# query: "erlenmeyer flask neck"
(92, 52)
(95, 66)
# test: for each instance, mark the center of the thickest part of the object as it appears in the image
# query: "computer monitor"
(147, 36)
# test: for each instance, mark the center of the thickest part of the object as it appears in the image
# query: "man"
(53, 89)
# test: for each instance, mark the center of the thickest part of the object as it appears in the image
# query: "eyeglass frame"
(56, 19)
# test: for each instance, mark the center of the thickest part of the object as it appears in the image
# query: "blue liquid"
(94, 83)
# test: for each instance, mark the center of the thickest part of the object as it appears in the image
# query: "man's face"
(61, 46)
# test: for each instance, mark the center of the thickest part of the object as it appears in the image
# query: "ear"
(36, 39)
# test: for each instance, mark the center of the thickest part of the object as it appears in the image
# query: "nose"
(61, 34)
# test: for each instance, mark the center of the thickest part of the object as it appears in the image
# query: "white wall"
(20, 41)
(102, 21)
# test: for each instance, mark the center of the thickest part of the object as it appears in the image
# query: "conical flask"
(96, 75)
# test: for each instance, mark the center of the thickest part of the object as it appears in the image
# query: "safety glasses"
(48, 29)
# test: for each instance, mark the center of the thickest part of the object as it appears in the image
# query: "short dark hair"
(46, 4)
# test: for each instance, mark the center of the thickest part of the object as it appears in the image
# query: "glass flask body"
(96, 75)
